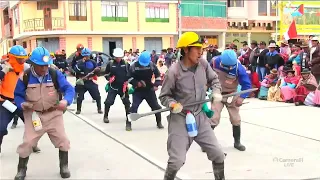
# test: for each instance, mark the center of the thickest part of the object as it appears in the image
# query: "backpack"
(53, 74)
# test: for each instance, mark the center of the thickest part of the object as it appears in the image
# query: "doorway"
(110, 43)
(47, 18)
(112, 46)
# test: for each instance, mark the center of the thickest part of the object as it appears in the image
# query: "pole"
(276, 3)
(180, 21)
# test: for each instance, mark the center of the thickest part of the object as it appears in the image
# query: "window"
(53, 4)
(311, 17)
(114, 11)
(203, 9)
(235, 3)
(15, 11)
(273, 7)
(157, 12)
(262, 7)
(78, 10)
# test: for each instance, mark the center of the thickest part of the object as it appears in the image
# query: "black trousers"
(150, 97)
(112, 94)
(89, 86)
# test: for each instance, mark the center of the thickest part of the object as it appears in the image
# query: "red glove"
(125, 86)
(112, 79)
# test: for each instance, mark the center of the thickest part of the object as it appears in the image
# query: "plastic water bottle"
(191, 125)
(36, 121)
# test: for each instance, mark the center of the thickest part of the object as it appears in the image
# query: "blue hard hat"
(144, 58)
(41, 56)
(85, 52)
(18, 51)
(229, 58)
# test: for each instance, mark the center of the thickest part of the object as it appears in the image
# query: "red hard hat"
(80, 46)
(58, 52)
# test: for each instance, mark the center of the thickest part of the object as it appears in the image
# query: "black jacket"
(212, 54)
(263, 58)
(138, 73)
(119, 70)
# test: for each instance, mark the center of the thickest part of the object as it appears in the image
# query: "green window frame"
(113, 11)
(157, 14)
(204, 9)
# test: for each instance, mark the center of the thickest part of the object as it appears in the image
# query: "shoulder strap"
(26, 76)
(53, 74)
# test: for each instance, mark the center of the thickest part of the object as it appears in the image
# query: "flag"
(299, 11)
(291, 32)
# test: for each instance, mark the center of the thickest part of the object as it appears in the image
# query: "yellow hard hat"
(189, 39)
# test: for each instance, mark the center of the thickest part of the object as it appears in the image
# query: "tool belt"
(47, 110)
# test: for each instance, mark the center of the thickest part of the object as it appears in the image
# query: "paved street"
(274, 133)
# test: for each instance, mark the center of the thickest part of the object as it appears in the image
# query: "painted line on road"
(279, 130)
(133, 149)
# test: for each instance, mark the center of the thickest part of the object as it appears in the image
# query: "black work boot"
(14, 126)
(106, 113)
(218, 171)
(22, 168)
(79, 105)
(64, 170)
(99, 106)
(128, 125)
(158, 120)
(15, 122)
(36, 149)
(236, 135)
(170, 174)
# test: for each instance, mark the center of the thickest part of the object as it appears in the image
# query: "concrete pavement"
(274, 134)
(92, 156)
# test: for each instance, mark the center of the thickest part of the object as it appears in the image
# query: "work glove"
(6, 68)
(62, 105)
(80, 82)
(176, 108)
(26, 106)
(97, 69)
(131, 90)
(141, 84)
(107, 87)
(112, 79)
(239, 101)
(215, 97)
(209, 113)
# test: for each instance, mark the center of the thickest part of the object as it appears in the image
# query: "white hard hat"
(118, 52)
(315, 39)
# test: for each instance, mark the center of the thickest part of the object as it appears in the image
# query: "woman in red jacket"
(254, 77)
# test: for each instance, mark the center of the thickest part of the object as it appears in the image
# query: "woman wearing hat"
(289, 85)
(307, 84)
(268, 81)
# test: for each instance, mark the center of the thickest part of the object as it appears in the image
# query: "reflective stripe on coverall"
(184, 86)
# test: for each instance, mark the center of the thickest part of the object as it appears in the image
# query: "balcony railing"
(42, 24)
